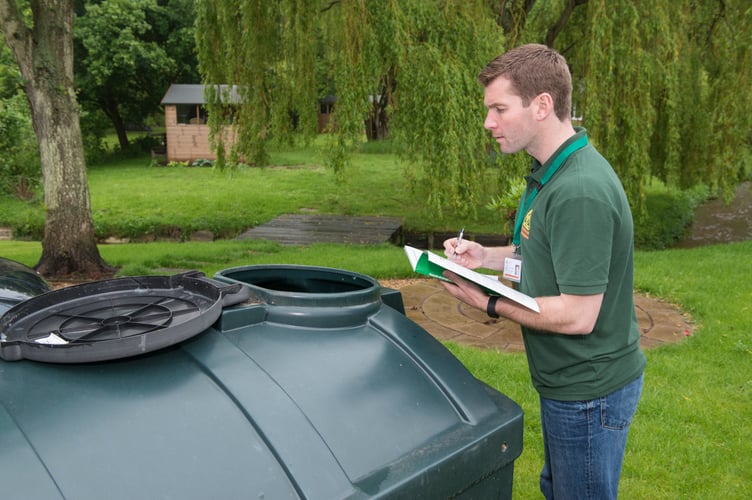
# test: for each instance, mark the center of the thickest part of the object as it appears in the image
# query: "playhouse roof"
(181, 93)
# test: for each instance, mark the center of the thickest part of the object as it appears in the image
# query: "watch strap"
(491, 306)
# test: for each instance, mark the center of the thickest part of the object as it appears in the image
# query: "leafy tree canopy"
(420, 58)
(128, 53)
(663, 87)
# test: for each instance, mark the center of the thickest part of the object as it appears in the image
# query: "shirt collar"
(537, 170)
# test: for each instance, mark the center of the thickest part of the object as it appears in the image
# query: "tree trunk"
(69, 243)
(377, 124)
(122, 134)
(45, 56)
(113, 113)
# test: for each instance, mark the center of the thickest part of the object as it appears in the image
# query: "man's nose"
(490, 122)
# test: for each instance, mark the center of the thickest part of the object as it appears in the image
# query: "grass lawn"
(690, 438)
(132, 199)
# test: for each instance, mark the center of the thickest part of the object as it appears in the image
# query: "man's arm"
(566, 314)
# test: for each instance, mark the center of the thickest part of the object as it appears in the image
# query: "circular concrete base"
(430, 306)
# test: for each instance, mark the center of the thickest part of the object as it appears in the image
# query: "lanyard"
(529, 196)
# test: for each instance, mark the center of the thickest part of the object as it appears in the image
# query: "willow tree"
(663, 86)
(42, 44)
(419, 58)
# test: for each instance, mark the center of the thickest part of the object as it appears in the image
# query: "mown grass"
(133, 199)
(690, 438)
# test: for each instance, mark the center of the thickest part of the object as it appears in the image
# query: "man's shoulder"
(589, 176)
(589, 165)
(589, 154)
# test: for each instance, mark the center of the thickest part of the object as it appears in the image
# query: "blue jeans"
(584, 444)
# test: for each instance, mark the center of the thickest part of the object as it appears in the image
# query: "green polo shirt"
(577, 238)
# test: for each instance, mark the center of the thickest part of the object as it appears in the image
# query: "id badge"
(513, 269)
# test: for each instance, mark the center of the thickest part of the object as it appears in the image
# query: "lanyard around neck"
(529, 196)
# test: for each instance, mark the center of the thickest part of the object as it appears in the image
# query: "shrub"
(202, 162)
(93, 126)
(669, 215)
(145, 143)
(20, 170)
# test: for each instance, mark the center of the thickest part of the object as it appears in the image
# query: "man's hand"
(468, 254)
(465, 291)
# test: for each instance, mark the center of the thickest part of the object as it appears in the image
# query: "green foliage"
(24, 218)
(506, 204)
(202, 162)
(421, 58)
(127, 54)
(660, 87)
(664, 87)
(11, 81)
(94, 124)
(615, 101)
(270, 63)
(20, 170)
(438, 115)
(667, 217)
(145, 143)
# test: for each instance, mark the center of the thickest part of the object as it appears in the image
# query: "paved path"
(305, 229)
(446, 318)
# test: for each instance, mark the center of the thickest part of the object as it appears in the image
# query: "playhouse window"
(192, 114)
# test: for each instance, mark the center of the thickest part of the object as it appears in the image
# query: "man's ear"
(544, 105)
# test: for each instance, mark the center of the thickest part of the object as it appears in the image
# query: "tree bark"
(377, 122)
(110, 108)
(44, 54)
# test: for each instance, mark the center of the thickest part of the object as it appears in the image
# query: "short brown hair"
(532, 70)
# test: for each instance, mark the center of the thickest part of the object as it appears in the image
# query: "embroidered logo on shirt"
(526, 225)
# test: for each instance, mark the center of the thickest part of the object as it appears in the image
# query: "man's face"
(511, 123)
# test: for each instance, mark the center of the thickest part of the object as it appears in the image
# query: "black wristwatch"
(491, 306)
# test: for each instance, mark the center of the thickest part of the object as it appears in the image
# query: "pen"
(459, 240)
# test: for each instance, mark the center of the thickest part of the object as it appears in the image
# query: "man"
(573, 251)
